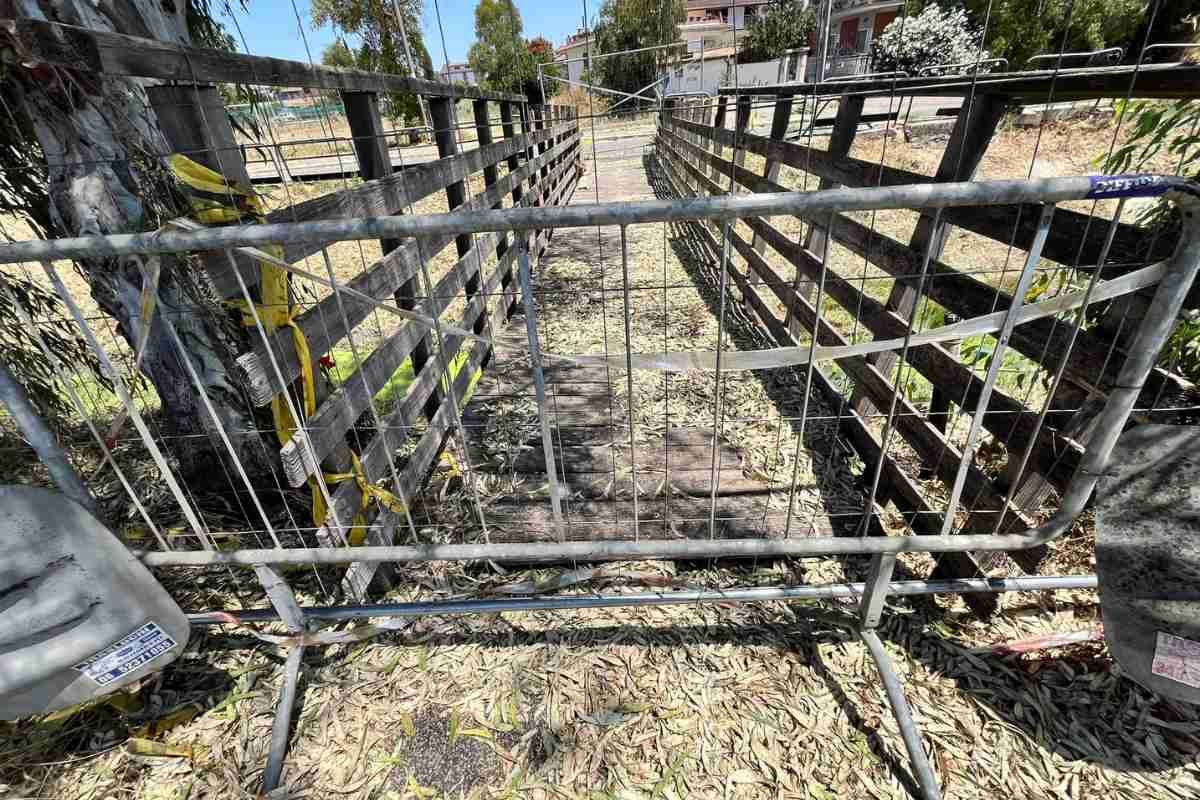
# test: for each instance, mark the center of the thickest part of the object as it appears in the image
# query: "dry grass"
(694, 701)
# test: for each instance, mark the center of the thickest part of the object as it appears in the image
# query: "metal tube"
(539, 383)
(627, 302)
(721, 207)
(930, 69)
(621, 52)
(875, 593)
(997, 361)
(1142, 356)
(601, 89)
(957, 84)
(42, 440)
(908, 728)
(283, 720)
(828, 591)
(1114, 54)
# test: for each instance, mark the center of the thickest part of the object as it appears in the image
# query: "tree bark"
(104, 149)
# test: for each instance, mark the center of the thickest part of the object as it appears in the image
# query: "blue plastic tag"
(1112, 186)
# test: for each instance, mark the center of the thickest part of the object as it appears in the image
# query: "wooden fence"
(540, 151)
(703, 151)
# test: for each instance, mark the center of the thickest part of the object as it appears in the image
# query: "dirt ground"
(704, 700)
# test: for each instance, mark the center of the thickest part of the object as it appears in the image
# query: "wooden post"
(779, 125)
(194, 122)
(370, 146)
(444, 113)
(744, 109)
(841, 139)
(700, 116)
(973, 130)
(719, 123)
(483, 129)
(508, 127)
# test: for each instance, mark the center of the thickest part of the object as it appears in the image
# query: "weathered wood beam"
(1074, 238)
(1164, 81)
(841, 139)
(370, 146)
(324, 324)
(1041, 340)
(973, 131)
(96, 52)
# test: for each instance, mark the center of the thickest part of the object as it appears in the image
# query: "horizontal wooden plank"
(651, 484)
(1007, 418)
(374, 457)
(1075, 238)
(326, 428)
(396, 192)
(1147, 80)
(1041, 340)
(655, 456)
(902, 489)
(736, 517)
(92, 51)
(325, 324)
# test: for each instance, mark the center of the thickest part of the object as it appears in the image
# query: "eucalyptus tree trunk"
(104, 148)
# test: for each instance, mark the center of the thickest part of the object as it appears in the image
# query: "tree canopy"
(381, 47)
(628, 25)
(501, 57)
(786, 25)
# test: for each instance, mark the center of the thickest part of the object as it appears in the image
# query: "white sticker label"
(1178, 659)
(127, 654)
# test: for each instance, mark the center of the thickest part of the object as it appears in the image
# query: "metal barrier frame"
(1177, 276)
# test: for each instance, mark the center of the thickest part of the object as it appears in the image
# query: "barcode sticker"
(1178, 659)
(127, 654)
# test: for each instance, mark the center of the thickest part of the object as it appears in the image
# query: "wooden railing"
(540, 150)
(701, 154)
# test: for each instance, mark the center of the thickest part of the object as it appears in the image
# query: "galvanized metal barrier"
(1133, 372)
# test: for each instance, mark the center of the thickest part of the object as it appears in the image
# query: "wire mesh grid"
(447, 414)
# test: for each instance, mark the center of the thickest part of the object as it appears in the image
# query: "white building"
(853, 25)
(458, 73)
(574, 56)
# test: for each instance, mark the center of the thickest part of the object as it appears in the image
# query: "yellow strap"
(224, 203)
(370, 491)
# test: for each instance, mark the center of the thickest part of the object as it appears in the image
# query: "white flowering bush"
(935, 36)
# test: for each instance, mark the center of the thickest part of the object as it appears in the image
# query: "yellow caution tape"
(213, 199)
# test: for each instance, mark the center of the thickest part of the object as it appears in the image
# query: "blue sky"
(270, 28)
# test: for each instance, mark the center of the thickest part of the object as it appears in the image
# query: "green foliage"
(24, 356)
(1018, 29)
(382, 49)
(630, 24)
(1181, 353)
(1174, 129)
(501, 58)
(785, 26)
